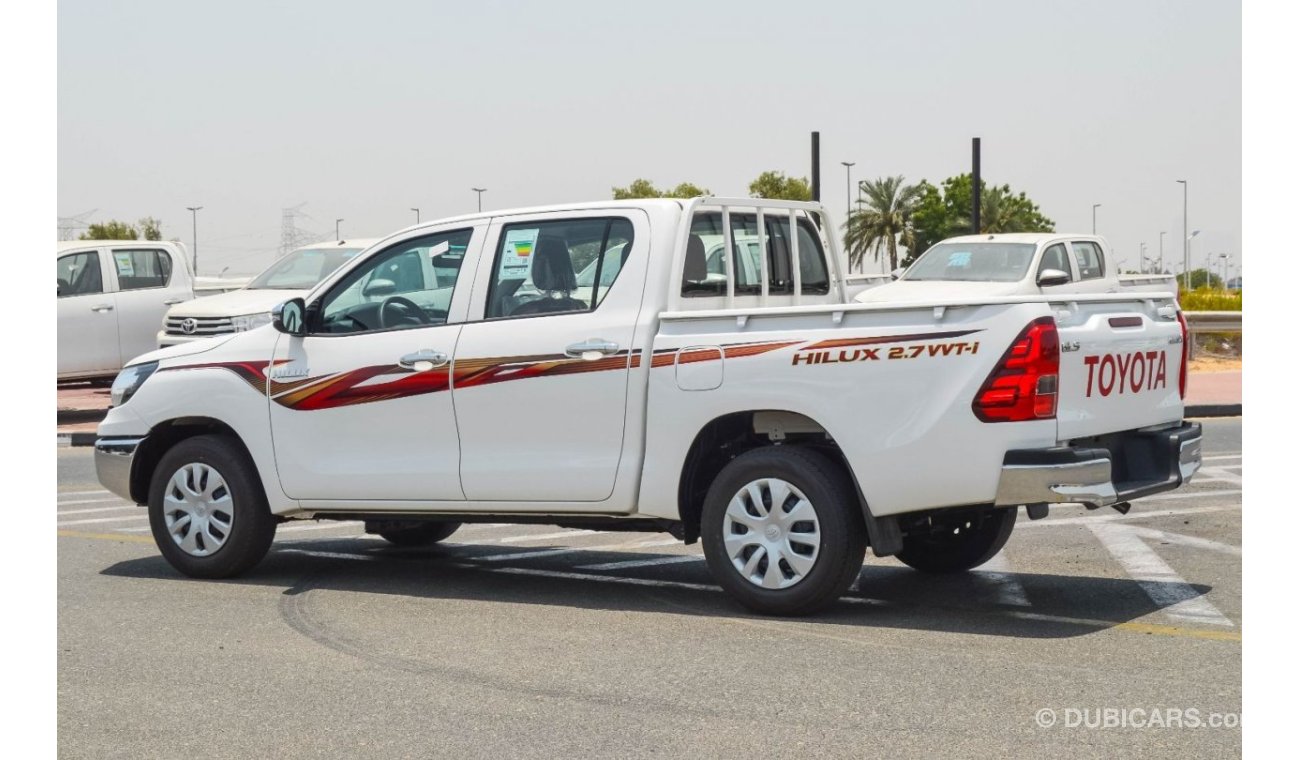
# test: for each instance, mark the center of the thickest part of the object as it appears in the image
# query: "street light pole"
(1223, 268)
(1142, 259)
(480, 191)
(417, 214)
(336, 228)
(1187, 268)
(1187, 242)
(1095, 206)
(1162, 253)
(194, 219)
(848, 188)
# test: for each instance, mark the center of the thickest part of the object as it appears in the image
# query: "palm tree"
(882, 220)
(1001, 211)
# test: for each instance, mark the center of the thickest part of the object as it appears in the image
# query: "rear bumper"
(113, 460)
(1105, 471)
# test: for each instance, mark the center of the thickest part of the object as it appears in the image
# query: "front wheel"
(959, 541)
(782, 532)
(207, 510)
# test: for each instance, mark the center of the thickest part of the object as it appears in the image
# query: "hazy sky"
(363, 110)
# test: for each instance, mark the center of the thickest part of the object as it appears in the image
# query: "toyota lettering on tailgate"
(1125, 373)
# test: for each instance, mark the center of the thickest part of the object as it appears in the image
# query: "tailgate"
(1120, 364)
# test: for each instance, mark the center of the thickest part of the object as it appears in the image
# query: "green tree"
(1202, 279)
(150, 228)
(777, 186)
(644, 188)
(110, 230)
(945, 213)
(884, 220)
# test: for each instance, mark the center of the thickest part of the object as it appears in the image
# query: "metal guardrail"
(1213, 321)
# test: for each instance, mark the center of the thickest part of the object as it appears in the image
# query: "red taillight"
(1182, 368)
(1023, 384)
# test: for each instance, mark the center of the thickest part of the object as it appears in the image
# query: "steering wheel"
(406, 312)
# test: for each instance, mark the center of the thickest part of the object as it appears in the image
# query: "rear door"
(1120, 364)
(541, 370)
(87, 327)
(149, 280)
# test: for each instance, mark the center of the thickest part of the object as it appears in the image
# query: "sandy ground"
(1215, 364)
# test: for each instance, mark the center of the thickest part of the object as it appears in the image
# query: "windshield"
(302, 269)
(973, 262)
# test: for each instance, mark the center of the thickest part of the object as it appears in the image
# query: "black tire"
(957, 542)
(252, 527)
(416, 532)
(843, 536)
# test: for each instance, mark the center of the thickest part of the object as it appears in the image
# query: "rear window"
(747, 260)
(140, 269)
(1088, 256)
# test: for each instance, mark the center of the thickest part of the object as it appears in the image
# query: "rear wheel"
(782, 532)
(207, 510)
(413, 533)
(957, 542)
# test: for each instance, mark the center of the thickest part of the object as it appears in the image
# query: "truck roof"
(584, 206)
(68, 245)
(1023, 237)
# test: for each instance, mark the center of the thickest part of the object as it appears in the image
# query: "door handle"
(102, 307)
(425, 356)
(591, 349)
(173, 301)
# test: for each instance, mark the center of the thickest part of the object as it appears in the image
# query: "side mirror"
(898, 272)
(288, 317)
(60, 287)
(379, 287)
(1049, 277)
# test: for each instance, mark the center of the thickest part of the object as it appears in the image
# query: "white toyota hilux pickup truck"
(760, 412)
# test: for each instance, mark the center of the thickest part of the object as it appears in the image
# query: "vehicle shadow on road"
(1021, 605)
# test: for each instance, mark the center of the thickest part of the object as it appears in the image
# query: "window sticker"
(959, 259)
(125, 264)
(517, 256)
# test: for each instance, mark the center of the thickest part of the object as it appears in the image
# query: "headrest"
(552, 267)
(696, 266)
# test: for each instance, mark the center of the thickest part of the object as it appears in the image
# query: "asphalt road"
(532, 641)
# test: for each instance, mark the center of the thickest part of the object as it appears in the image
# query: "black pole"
(975, 185)
(816, 166)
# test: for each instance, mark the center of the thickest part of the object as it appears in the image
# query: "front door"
(87, 327)
(541, 374)
(361, 406)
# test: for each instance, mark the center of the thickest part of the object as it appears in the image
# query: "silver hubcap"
(771, 533)
(198, 509)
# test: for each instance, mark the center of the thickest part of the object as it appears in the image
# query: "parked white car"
(112, 294)
(250, 306)
(421, 385)
(1013, 264)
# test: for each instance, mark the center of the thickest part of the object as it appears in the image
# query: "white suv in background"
(250, 306)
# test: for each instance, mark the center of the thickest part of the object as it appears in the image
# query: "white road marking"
(80, 493)
(97, 509)
(1194, 542)
(1186, 495)
(1221, 474)
(568, 550)
(1136, 515)
(325, 526)
(88, 501)
(1220, 457)
(329, 555)
(547, 536)
(67, 523)
(673, 560)
(998, 573)
(1165, 587)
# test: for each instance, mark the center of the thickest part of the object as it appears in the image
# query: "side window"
(708, 277)
(407, 285)
(1055, 258)
(79, 274)
(1088, 256)
(145, 268)
(558, 266)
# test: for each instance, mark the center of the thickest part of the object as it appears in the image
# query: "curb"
(76, 439)
(1212, 410)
